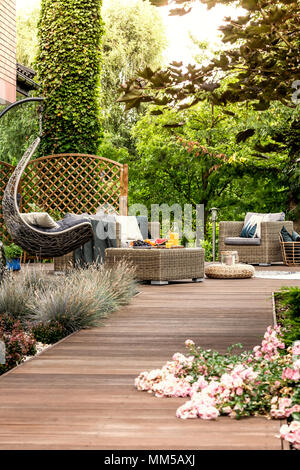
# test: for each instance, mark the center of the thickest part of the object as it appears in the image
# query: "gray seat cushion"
(242, 241)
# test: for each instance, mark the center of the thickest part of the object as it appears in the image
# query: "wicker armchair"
(267, 252)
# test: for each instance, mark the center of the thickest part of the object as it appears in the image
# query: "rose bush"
(18, 343)
(259, 382)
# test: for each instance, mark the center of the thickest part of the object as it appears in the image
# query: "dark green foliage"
(68, 67)
(201, 162)
(291, 299)
(49, 333)
(12, 251)
(18, 129)
(7, 323)
(288, 302)
(262, 58)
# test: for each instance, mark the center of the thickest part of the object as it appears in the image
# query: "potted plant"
(13, 255)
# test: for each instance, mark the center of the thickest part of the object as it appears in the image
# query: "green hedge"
(68, 65)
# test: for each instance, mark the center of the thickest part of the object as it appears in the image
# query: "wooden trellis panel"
(5, 172)
(75, 183)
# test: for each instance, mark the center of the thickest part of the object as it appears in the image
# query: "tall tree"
(68, 65)
(134, 38)
(27, 21)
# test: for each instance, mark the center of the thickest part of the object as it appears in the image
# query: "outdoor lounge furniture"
(148, 229)
(290, 252)
(160, 265)
(263, 250)
(33, 239)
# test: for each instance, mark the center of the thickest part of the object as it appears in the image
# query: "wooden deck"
(80, 395)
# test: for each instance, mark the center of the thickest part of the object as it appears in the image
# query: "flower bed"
(260, 382)
(36, 310)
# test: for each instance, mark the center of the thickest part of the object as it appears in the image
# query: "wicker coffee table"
(224, 271)
(160, 265)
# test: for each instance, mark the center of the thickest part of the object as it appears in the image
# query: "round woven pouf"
(235, 271)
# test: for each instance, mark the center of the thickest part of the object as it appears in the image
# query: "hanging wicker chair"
(31, 238)
(2, 262)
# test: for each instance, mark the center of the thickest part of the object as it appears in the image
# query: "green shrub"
(207, 243)
(7, 323)
(288, 304)
(49, 333)
(12, 251)
(18, 343)
(68, 66)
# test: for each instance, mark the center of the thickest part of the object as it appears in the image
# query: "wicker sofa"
(268, 251)
(63, 263)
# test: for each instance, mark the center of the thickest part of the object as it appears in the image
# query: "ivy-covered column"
(68, 65)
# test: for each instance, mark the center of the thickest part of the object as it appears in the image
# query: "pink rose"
(189, 343)
(296, 348)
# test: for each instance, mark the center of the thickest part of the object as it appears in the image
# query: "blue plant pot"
(14, 264)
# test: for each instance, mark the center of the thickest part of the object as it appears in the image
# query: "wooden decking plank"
(80, 394)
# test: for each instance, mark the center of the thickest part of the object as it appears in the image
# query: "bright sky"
(202, 23)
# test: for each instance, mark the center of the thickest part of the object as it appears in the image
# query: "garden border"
(38, 354)
(284, 444)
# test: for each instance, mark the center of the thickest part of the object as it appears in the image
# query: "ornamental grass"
(52, 307)
(83, 297)
(15, 298)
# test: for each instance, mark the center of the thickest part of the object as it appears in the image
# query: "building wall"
(7, 51)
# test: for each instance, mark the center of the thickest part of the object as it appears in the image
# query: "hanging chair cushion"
(40, 219)
(69, 221)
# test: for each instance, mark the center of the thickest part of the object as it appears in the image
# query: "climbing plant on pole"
(68, 65)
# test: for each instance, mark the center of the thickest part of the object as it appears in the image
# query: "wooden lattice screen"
(74, 183)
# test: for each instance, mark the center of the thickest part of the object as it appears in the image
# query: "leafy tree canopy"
(262, 60)
(193, 156)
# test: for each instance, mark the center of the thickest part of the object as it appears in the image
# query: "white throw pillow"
(41, 219)
(257, 219)
(129, 229)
